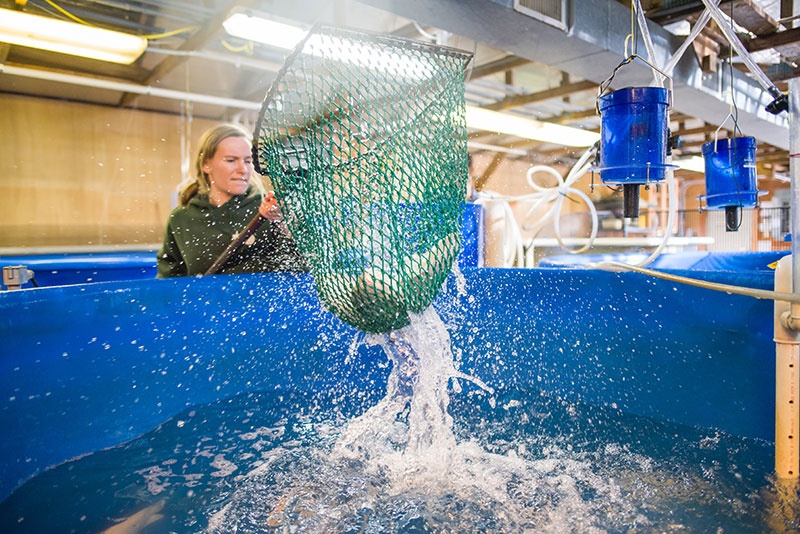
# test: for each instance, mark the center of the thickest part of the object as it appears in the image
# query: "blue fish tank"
(730, 168)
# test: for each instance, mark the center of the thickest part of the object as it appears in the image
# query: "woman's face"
(230, 170)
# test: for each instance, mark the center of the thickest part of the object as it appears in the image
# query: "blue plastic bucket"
(634, 135)
(730, 166)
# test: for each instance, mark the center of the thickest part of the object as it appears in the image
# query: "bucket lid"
(732, 198)
(635, 95)
(635, 169)
(729, 143)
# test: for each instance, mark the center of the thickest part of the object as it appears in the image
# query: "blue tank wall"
(89, 366)
(65, 269)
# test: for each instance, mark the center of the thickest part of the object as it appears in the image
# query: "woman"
(217, 206)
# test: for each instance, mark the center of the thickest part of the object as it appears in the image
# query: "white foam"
(402, 459)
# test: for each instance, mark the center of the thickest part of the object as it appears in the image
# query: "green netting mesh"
(364, 139)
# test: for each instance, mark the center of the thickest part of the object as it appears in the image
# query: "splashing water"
(400, 466)
(409, 433)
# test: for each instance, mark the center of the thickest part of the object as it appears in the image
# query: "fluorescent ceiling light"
(368, 56)
(494, 121)
(263, 30)
(64, 37)
(692, 163)
(363, 55)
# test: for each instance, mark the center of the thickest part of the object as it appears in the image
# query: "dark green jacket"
(199, 232)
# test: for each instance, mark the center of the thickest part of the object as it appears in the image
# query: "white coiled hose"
(513, 245)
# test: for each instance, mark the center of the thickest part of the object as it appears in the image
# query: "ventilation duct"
(552, 12)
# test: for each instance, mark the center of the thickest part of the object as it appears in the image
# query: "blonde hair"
(209, 143)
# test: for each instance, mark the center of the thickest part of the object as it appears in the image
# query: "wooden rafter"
(556, 92)
(504, 64)
(195, 41)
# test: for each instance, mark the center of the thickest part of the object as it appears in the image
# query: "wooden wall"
(81, 175)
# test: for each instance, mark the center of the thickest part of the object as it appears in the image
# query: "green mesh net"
(364, 139)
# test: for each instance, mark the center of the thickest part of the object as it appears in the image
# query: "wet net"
(364, 140)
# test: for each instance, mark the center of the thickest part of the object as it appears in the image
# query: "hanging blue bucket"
(634, 135)
(730, 172)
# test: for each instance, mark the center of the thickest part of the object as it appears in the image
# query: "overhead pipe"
(128, 87)
(237, 61)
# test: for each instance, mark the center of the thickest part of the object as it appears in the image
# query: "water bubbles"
(223, 467)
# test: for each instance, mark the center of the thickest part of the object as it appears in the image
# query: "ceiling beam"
(557, 92)
(751, 16)
(773, 40)
(747, 14)
(572, 116)
(667, 15)
(501, 65)
(196, 41)
(705, 129)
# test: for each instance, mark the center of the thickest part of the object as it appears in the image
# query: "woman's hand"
(269, 208)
